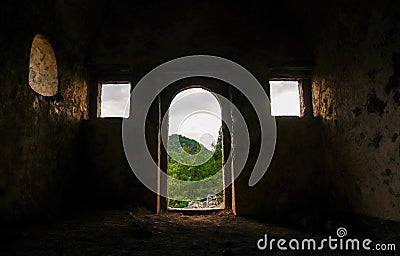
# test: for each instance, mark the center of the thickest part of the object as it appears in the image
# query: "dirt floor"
(140, 232)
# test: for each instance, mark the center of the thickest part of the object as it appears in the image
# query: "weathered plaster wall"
(133, 39)
(109, 180)
(147, 34)
(356, 94)
(293, 185)
(49, 155)
(40, 136)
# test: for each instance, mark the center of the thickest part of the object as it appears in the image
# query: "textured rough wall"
(40, 136)
(146, 34)
(356, 94)
(139, 37)
(293, 186)
(43, 71)
(109, 180)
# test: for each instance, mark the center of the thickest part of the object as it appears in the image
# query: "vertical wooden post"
(159, 141)
(233, 199)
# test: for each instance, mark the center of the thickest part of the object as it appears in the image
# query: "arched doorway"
(195, 151)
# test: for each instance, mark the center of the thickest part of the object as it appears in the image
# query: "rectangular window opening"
(285, 98)
(114, 99)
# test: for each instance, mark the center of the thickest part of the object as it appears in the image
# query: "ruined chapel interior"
(66, 187)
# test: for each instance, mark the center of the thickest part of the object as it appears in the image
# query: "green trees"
(195, 152)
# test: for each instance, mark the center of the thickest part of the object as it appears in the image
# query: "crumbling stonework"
(345, 158)
(360, 116)
(40, 148)
(43, 72)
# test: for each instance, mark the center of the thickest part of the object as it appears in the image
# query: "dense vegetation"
(193, 152)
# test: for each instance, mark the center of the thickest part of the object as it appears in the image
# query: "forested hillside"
(182, 164)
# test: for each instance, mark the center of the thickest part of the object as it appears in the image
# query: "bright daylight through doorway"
(195, 150)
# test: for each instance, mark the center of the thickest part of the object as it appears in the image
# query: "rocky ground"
(140, 232)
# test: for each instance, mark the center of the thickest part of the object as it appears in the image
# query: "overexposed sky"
(285, 99)
(195, 113)
(115, 100)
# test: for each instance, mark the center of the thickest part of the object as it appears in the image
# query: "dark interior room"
(199, 127)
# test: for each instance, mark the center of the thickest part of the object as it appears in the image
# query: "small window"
(285, 98)
(114, 100)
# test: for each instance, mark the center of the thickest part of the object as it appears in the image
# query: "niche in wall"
(43, 73)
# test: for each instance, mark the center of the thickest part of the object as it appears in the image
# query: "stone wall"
(40, 137)
(134, 39)
(344, 159)
(292, 186)
(356, 94)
